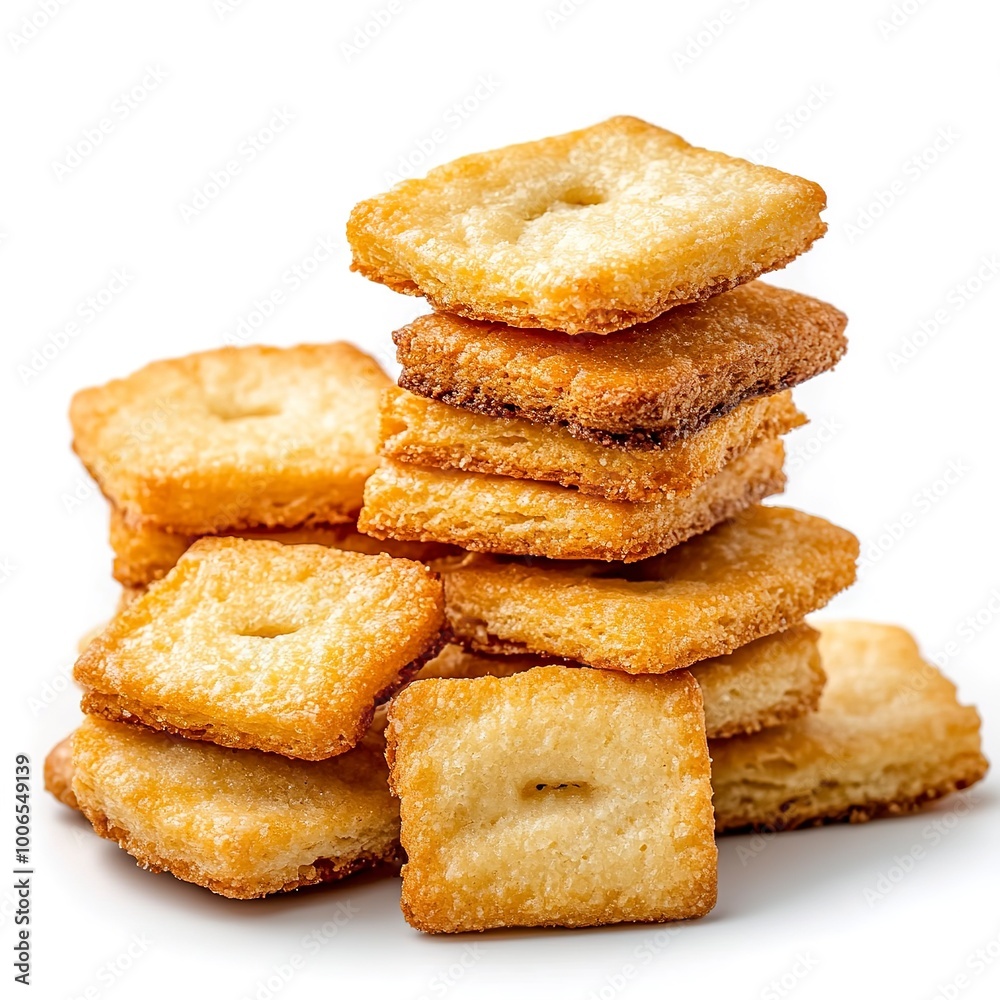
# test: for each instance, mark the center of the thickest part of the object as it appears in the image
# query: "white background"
(792, 914)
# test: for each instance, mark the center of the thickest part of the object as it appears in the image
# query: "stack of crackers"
(521, 621)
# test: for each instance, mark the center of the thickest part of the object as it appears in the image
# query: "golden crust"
(59, 773)
(889, 735)
(234, 438)
(255, 644)
(752, 576)
(595, 230)
(521, 517)
(238, 822)
(424, 432)
(764, 683)
(640, 389)
(555, 797)
(145, 552)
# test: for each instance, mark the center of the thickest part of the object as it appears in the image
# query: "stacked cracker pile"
(591, 417)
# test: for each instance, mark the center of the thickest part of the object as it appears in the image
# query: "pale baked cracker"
(594, 230)
(58, 773)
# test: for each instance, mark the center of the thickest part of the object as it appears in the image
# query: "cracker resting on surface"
(640, 389)
(521, 517)
(237, 437)
(255, 644)
(239, 822)
(557, 796)
(889, 736)
(421, 431)
(594, 230)
(749, 577)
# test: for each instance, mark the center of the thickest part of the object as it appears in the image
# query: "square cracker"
(640, 389)
(239, 822)
(424, 432)
(234, 438)
(594, 230)
(521, 517)
(145, 552)
(255, 644)
(556, 797)
(750, 577)
(889, 736)
(764, 683)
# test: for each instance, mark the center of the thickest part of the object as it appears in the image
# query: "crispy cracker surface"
(237, 437)
(556, 796)
(424, 432)
(889, 735)
(521, 517)
(752, 576)
(58, 773)
(642, 388)
(239, 822)
(255, 644)
(594, 230)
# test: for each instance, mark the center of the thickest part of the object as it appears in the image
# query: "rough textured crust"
(424, 432)
(59, 773)
(752, 576)
(235, 438)
(238, 822)
(640, 389)
(889, 736)
(254, 644)
(766, 682)
(595, 230)
(520, 517)
(144, 553)
(555, 797)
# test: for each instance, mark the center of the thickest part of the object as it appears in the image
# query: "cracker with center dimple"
(594, 230)
(424, 432)
(750, 577)
(521, 517)
(889, 736)
(558, 796)
(255, 644)
(239, 822)
(234, 438)
(145, 552)
(764, 683)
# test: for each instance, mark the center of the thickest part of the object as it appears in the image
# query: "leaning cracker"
(764, 683)
(640, 389)
(145, 552)
(255, 644)
(594, 230)
(59, 773)
(234, 438)
(239, 822)
(424, 432)
(521, 517)
(889, 736)
(750, 577)
(556, 797)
